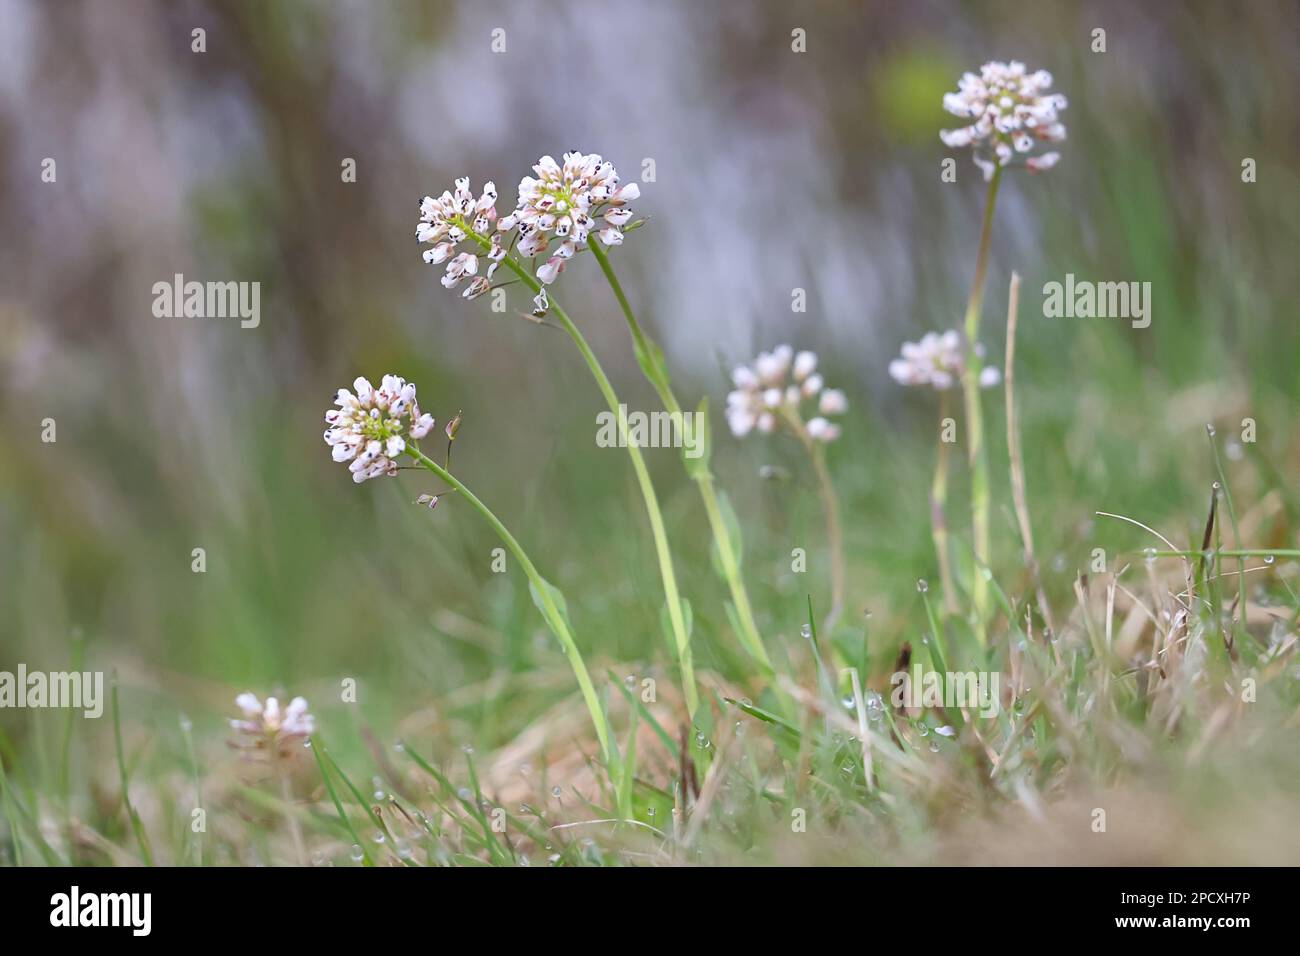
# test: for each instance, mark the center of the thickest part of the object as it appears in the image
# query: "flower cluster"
(563, 204)
(370, 428)
(446, 222)
(567, 203)
(265, 725)
(938, 360)
(774, 390)
(1010, 111)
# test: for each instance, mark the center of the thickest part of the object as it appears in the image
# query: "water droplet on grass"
(922, 585)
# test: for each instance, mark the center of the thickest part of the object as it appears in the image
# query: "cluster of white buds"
(265, 726)
(774, 391)
(938, 360)
(1010, 112)
(566, 203)
(446, 222)
(370, 428)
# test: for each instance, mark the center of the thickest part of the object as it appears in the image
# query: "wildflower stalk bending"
(561, 204)
(676, 616)
(555, 618)
(975, 419)
(647, 354)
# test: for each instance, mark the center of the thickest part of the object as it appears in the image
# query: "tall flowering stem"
(975, 417)
(555, 618)
(729, 559)
(831, 509)
(939, 514)
(676, 617)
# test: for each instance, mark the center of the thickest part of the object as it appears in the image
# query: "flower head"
(1010, 112)
(267, 725)
(447, 221)
(938, 360)
(370, 428)
(567, 203)
(774, 391)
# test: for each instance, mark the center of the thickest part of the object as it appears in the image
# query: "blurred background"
(773, 170)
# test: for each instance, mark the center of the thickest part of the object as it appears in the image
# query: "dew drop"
(357, 853)
(806, 631)
(1209, 430)
(922, 585)
(1268, 559)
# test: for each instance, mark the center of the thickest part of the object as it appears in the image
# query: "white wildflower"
(266, 724)
(938, 360)
(1010, 112)
(773, 391)
(370, 428)
(566, 203)
(833, 402)
(447, 221)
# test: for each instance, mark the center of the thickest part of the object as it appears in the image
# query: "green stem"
(675, 616)
(554, 617)
(749, 636)
(831, 507)
(975, 420)
(939, 515)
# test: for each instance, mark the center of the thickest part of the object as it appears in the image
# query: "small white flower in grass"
(266, 725)
(1011, 112)
(370, 428)
(447, 221)
(938, 360)
(565, 203)
(773, 391)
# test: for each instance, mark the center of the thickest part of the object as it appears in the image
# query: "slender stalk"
(834, 534)
(975, 419)
(286, 795)
(831, 508)
(749, 636)
(554, 618)
(1018, 494)
(671, 594)
(939, 514)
